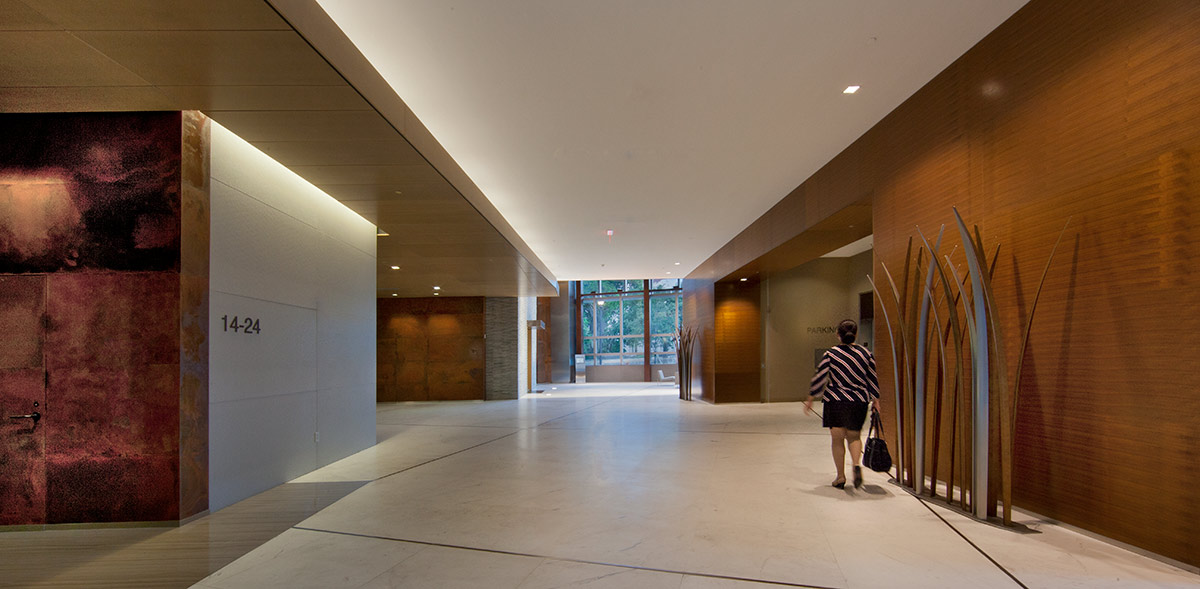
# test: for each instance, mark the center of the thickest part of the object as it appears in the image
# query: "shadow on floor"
(156, 556)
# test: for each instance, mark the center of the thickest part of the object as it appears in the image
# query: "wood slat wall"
(1083, 110)
(728, 356)
(1079, 109)
(738, 341)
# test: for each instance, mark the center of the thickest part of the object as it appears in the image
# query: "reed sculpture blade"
(895, 363)
(921, 362)
(904, 387)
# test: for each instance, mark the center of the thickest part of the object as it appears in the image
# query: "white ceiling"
(674, 123)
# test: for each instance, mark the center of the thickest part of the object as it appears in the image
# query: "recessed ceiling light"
(395, 295)
(436, 294)
(437, 288)
(851, 89)
(676, 263)
(395, 267)
(668, 272)
(745, 279)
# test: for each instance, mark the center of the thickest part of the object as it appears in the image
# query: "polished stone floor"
(626, 486)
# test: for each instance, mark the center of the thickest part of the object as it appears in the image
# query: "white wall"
(301, 393)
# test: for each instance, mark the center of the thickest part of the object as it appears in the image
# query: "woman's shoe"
(857, 477)
(840, 484)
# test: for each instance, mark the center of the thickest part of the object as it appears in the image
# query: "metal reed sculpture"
(685, 339)
(974, 401)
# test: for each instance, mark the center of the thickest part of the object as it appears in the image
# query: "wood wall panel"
(699, 313)
(1071, 109)
(431, 349)
(738, 343)
(728, 323)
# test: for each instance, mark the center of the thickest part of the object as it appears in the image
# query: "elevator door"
(22, 400)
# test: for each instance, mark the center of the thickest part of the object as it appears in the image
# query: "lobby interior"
(282, 326)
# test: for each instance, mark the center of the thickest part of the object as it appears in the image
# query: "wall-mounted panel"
(738, 343)
(260, 442)
(294, 390)
(260, 348)
(93, 211)
(431, 349)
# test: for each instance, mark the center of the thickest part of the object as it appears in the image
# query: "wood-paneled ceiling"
(277, 76)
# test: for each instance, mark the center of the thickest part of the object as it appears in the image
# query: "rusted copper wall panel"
(431, 349)
(112, 398)
(22, 445)
(99, 315)
(195, 213)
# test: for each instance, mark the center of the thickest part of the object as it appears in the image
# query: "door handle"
(35, 416)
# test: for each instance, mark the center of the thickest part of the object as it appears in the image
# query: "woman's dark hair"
(847, 331)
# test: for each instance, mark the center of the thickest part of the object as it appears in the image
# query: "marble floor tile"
(626, 486)
(1052, 556)
(303, 559)
(437, 566)
(404, 446)
(552, 574)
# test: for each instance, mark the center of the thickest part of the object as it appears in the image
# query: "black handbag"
(875, 451)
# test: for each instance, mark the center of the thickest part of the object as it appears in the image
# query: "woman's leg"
(838, 435)
(854, 441)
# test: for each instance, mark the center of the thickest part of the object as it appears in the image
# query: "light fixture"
(609, 232)
(745, 279)
(395, 295)
(437, 288)
(851, 89)
(676, 263)
(668, 273)
(395, 267)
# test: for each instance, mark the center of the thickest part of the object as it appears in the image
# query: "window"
(612, 286)
(613, 321)
(664, 323)
(607, 322)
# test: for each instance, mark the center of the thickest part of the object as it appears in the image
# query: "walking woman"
(847, 376)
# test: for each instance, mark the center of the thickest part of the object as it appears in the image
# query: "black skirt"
(848, 414)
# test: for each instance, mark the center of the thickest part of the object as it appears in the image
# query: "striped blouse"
(849, 372)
